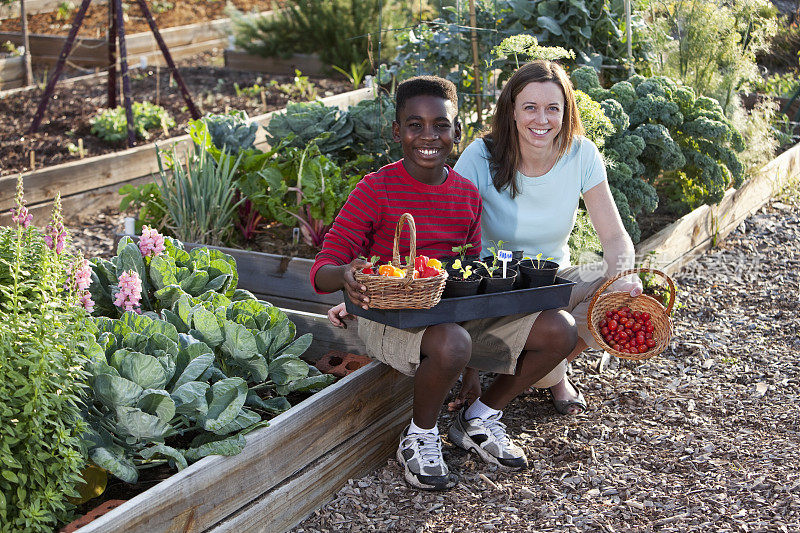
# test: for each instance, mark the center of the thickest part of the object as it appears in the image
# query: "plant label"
(505, 257)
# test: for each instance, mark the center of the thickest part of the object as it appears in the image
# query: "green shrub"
(41, 377)
(146, 198)
(111, 124)
(336, 29)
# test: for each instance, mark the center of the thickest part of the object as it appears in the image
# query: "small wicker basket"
(406, 292)
(659, 316)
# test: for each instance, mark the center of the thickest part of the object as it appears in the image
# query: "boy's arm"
(330, 278)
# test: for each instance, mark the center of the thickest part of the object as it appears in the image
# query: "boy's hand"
(355, 290)
(338, 315)
(470, 390)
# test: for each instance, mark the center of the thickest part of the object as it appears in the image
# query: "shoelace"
(430, 447)
(497, 428)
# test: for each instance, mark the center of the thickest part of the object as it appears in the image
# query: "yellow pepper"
(435, 263)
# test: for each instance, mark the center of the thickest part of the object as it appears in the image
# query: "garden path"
(702, 438)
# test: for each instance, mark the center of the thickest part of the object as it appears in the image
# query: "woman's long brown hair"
(502, 141)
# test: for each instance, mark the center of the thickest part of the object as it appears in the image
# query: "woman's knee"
(448, 344)
(553, 330)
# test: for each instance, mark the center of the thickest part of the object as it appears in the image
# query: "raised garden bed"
(305, 63)
(288, 469)
(92, 183)
(183, 41)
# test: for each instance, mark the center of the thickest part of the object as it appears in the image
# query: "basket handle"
(398, 230)
(605, 285)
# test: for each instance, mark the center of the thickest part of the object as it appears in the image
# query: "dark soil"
(74, 104)
(95, 23)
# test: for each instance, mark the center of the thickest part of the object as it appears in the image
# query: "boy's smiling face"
(426, 128)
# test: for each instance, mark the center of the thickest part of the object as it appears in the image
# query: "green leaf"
(190, 399)
(140, 425)
(311, 383)
(168, 296)
(286, 369)
(168, 452)
(245, 419)
(206, 323)
(195, 368)
(114, 391)
(195, 283)
(550, 25)
(226, 399)
(203, 446)
(162, 271)
(158, 403)
(298, 347)
(113, 459)
(142, 369)
(239, 342)
(274, 406)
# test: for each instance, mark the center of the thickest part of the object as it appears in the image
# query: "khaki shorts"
(496, 342)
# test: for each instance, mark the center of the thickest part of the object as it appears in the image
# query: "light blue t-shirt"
(542, 215)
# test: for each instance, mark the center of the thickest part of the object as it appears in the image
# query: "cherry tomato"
(367, 270)
(612, 324)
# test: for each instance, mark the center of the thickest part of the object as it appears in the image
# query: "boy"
(446, 208)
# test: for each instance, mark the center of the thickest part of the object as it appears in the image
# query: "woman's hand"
(470, 390)
(338, 315)
(630, 284)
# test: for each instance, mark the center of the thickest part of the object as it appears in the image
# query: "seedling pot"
(497, 283)
(538, 277)
(457, 287)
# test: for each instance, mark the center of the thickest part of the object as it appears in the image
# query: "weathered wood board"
(84, 175)
(286, 470)
(33, 7)
(12, 72)
(305, 63)
(686, 238)
(183, 41)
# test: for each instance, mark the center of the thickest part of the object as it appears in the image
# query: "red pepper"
(420, 263)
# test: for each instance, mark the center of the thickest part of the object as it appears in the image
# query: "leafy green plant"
(146, 198)
(584, 244)
(538, 261)
(64, 11)
(337, 29)
(10, 48)
(462, 250)
(356, 73)
(233, 132)
(462, 269)
(300, 187)
(329, 127)
(111, 124)
(714, 44)
(200, 197)
(372, 129)
(687, 147)
(163, 278)
(42, 379)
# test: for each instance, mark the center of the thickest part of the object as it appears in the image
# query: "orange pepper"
(398, 272)
(435, 263)
(385, 270)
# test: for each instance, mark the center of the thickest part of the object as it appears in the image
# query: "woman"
(531, 169)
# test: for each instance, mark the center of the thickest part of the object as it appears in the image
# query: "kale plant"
(302, 123)
(232, 132)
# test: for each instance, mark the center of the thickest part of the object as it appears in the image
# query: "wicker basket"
(659, 316)
(403, 293)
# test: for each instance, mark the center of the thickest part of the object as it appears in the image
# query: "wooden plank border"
(686, 238)
(305, 63)
(92, 173)
(32, 7)
(12, 71)
(310, 450)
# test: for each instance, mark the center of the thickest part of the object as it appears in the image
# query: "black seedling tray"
(471, 307)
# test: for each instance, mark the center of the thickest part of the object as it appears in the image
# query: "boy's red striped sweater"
(445, 216)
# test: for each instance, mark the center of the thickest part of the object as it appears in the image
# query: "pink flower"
(54, 236)
(87, 302)
(83, 275)
(21, 216)
(129, 292)
(151, 243)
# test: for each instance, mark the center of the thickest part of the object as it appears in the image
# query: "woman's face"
(539, 113)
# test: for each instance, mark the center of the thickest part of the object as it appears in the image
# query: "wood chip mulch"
(702, 438)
